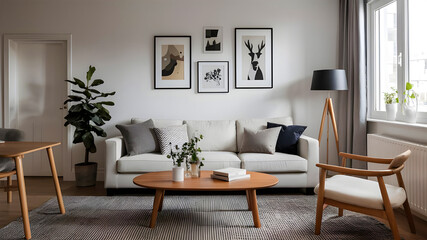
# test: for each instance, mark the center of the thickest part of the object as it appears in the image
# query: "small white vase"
(410, 113)
(391, 110)
(178, 174)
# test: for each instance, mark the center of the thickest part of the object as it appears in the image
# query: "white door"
(41, 68)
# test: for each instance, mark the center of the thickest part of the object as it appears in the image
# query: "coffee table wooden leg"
(161, 201)
(55, 180)
(22, 196)
(156, 205)
(254, 208)
(248, 199)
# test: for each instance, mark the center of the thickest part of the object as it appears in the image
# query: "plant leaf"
(409, 86)
(97, 82)
(109, 103)
(80, 83)
(90, 72)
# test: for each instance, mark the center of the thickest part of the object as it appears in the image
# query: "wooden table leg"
(248, 199)
(156, 205)
(254, 208)
(161, 201)
(22, 196)
(55, 180)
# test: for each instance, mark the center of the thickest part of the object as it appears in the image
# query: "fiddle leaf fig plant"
(88, 112)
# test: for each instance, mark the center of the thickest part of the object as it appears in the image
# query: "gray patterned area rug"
(193, 217)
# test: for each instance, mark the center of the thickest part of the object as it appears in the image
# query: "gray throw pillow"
(139, 138)
(263, 141)
(171, 136)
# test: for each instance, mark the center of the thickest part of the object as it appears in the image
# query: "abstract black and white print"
(254, 58)
(212, 76)
(212, 39)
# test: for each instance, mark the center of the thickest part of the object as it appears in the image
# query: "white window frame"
(402, 49)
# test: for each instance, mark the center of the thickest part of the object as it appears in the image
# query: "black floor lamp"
(329, 80)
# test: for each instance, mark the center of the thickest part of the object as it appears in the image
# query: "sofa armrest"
(308, 148)
(115, 149)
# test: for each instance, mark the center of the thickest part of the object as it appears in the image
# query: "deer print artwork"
(255, 72)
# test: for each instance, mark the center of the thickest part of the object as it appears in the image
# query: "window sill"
(399, 123)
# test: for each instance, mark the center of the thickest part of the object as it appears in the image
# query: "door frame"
(9, 80)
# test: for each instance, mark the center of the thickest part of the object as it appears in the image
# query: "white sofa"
(220, 145)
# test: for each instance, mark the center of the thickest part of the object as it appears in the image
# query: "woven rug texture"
(192, 217)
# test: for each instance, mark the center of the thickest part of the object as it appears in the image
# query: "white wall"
(117, 38)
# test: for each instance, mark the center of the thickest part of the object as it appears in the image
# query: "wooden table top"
(163, 180)
(13, 149)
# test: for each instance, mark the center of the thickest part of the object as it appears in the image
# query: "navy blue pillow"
(288, 137)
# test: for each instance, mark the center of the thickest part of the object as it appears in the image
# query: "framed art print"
(212, 40)
(254, 58)
(212, 77)
(172, 62)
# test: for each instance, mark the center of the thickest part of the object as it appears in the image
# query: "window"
(397, 46)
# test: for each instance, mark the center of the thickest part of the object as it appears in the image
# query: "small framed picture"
(254, 57)
(172, 62)
(212, 40)
(212, 77)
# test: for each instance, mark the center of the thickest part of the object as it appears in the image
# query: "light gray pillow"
(263, 141)
(139, 138)
(171, 136)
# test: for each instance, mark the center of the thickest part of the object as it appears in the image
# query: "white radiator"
(415, 171)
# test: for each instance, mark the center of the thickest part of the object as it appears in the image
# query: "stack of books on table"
(230, 174)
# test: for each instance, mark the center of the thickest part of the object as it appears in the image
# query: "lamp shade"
(330, 79)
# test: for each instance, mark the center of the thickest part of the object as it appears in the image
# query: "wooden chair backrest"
(399, 160)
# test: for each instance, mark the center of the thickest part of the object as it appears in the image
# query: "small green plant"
(409, 93)
(392, 97)
(193, 151)
(188, 153)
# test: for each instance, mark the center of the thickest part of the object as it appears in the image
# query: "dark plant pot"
(85, 174)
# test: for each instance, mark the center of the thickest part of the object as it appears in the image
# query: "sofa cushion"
(261, 141)
(147, 162)
(217, 135)
(159, 123)
(361, 192)
(257, 124)
(273, 163)
(288, 137)
(219, 159)
(171, 137)
(139, 137)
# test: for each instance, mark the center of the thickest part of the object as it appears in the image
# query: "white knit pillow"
(171, 136)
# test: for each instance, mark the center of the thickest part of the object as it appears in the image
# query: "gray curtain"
(352, 57)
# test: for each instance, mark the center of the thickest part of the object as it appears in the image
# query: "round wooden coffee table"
(162, 181)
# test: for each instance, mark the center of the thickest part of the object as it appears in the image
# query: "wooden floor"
(41, 189)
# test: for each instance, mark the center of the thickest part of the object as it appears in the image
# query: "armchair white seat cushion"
(219, 159)
(147, 162)
(361, 192)
(273, 163)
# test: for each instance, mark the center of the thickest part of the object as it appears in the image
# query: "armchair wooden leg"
(408, 214)
(340, 212)
(388, 209)
(320, 201)
(9, 192)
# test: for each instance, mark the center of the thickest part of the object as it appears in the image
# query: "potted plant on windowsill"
(391, 102)
(410, 104)
(87, 115)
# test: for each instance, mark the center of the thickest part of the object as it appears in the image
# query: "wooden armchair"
(362, 195)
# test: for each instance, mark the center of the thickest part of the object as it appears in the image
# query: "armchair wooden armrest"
(358, 172)
(365, 158)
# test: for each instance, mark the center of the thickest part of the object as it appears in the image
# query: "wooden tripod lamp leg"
(325, 110)
(334, 122)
